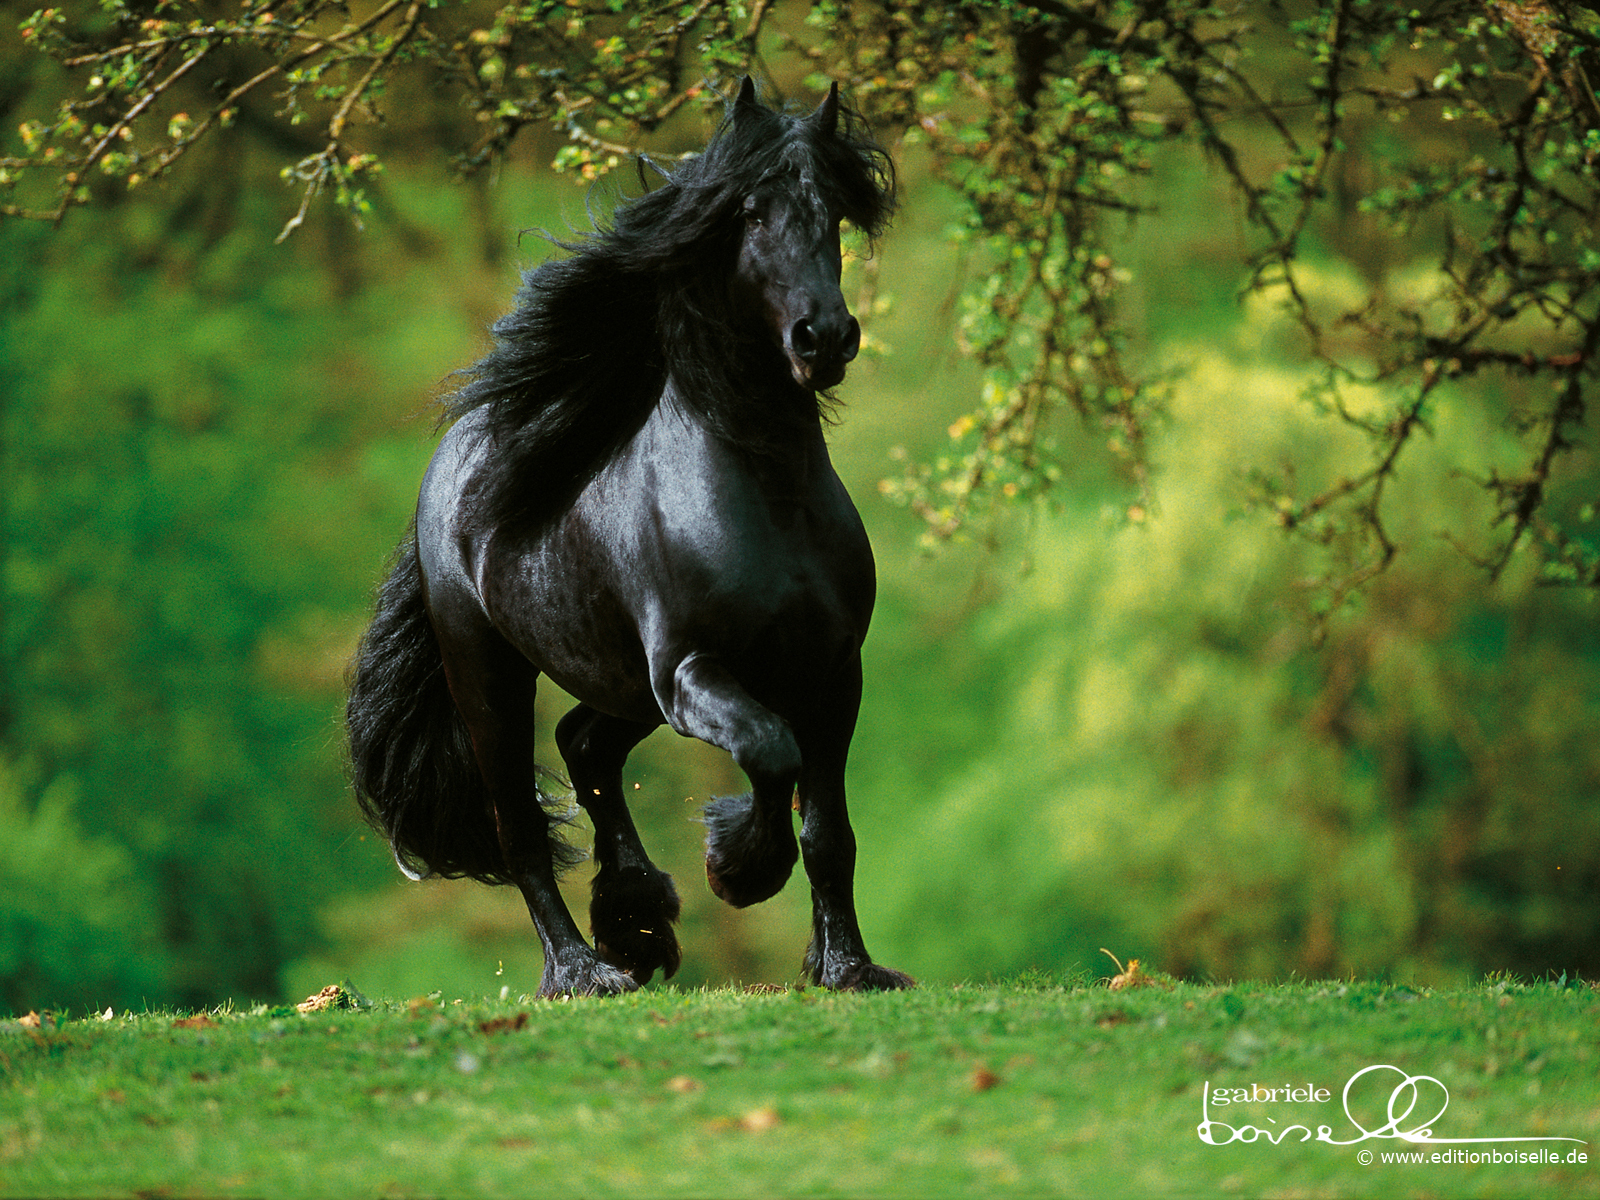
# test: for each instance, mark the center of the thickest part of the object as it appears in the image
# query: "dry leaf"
(1131, 976)
(759, 1120)
(332, 996)
(683, 1085)
(983, 1079)
(505, 1024)
(31, 1021)
(199, 1021)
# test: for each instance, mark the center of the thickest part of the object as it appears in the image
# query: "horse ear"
(747, 95)
(826, 118)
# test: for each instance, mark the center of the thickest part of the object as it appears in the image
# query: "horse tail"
(411, 759)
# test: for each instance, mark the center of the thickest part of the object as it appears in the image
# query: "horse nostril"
(803, 339)
(852, 341)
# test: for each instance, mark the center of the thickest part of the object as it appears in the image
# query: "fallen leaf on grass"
(505, 1024)
(683, 1085)
(983, 1079)
(332, 996)
(199, 1021)
(759, 1120)
(31, 1021)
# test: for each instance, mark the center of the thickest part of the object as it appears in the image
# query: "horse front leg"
(493, 687)
(634, 904)
(837, 956)
(750, 844)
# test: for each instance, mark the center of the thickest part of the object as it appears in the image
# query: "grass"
(1028, 1088)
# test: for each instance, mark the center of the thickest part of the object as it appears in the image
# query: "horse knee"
(702, 700)
(771, 758)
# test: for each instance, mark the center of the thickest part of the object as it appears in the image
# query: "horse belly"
(568, 620)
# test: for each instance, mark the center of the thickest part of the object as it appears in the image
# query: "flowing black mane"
(580, 362)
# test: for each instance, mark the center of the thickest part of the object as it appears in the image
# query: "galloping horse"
(636, 501)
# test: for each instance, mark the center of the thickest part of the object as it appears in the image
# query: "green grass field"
(1030, 1088)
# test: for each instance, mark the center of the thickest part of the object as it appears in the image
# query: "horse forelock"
(844, 169)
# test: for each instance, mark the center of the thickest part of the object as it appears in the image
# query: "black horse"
(636, 500)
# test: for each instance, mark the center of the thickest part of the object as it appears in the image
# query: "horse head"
(789, 259)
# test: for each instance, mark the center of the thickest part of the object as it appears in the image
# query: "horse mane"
(580, 362)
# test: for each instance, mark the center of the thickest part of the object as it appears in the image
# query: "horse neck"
(734, 382)
(772, 425)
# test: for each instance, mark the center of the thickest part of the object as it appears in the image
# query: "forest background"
(1221, 435)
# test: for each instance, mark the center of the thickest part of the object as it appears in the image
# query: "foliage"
(1043, 1088)
(70, 923)
(174, 627)
(1468, 129)
(1137, 745)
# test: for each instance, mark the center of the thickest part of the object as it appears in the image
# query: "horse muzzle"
(820, 349)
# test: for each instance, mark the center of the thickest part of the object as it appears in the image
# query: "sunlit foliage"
(1468, 130)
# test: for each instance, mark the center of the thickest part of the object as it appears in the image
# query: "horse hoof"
(641, 960)
(586, 978)
(631, 916)
(868, 977)
(741, 892)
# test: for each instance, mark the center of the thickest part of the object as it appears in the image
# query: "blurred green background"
(1079, 730)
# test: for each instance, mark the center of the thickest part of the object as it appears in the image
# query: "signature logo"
(1415, 1103)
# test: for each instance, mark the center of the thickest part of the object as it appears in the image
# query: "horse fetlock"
(856, 975)
(749, 856)
(584, 975)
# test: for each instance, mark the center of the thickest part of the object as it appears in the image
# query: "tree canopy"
(1444, 154)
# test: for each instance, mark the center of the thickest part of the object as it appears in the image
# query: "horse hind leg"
(493, 687)
(633, 903)
(750, 842)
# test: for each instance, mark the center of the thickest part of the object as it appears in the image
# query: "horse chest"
(755, 556)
